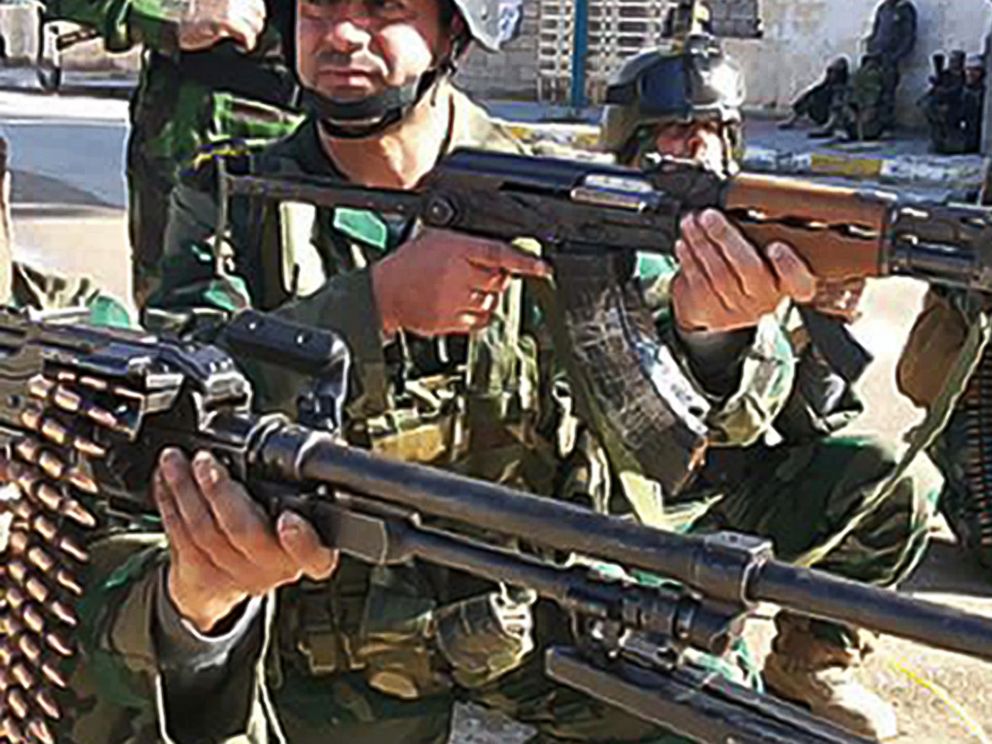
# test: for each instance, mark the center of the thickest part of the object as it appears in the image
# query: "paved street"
(67, 155)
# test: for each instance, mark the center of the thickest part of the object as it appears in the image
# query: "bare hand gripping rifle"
(85, 412)
(591, 219)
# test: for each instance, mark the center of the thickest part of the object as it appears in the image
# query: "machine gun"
(592, 219)
(85, 412)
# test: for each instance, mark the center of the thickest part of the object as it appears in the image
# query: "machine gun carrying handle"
(310, 351)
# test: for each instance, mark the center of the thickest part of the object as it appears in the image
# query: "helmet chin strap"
(373, 115)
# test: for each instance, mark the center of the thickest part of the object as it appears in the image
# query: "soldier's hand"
(840, 298)
(223, 548)
(724, 282)
(211, 21)
(444, 282)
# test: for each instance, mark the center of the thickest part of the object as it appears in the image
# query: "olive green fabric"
(357, 653)
(172, 116)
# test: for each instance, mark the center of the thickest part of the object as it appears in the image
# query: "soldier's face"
(700, 142)
(348, 50)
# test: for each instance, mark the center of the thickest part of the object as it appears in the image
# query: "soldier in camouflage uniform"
(212, 70)
(812, 481)
(378, 654)
(892, 39)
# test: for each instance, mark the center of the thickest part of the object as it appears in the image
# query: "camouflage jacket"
(488, 408)
(46, 291)
(173, 115)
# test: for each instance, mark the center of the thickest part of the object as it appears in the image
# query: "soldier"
(813, 480)
(377, 654)
(823, 98)
(374, 654)
(973, 102)
(212, 70)
(892, 39)
(859, 113)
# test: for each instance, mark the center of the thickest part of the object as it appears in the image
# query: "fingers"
(793, 275)
(243, 523)
(197, 518)
(725, 283)
(491, 255)
(739, 256)
(302, 544)
(181, 541)
(707, 269)
(213, 522)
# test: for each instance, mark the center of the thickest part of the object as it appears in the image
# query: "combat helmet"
(485, 24)
(694, 81)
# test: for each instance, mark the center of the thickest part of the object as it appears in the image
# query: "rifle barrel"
(719, 572)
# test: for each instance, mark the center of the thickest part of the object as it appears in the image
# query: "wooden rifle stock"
(839, 232)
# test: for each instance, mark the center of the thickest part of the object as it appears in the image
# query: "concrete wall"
(802, 36)
(511, 74)
(19, 27)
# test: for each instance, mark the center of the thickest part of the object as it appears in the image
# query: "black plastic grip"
(267, 338)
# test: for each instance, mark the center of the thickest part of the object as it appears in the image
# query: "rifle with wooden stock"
(591, 221)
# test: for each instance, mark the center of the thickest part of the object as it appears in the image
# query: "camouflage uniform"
(172, 114)
(953, 328)
(349, 654)
(892, 39)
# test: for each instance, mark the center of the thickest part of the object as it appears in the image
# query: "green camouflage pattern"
(171, 117)
(357, 654)
(360, 655)
(46, 291)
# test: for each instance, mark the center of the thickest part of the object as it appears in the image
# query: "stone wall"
(802, 36)
(511, 74)
(19, 29)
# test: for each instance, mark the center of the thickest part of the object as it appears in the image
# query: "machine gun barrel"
(721, 569)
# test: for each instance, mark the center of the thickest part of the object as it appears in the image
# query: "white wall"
(802, 36)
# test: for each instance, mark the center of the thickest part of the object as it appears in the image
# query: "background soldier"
(212, 70)
(973, 102)
(892, 40)
(814, 480)
(820, 101)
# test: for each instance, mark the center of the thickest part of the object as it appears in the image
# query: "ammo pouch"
(373, 619)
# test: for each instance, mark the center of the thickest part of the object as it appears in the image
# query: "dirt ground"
(941, 697)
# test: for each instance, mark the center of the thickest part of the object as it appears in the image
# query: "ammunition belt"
(971, 516)
(43, 576)
(51, 520)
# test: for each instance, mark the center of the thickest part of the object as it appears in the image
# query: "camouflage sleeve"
(46, 291)
(139, 690)
(752, 385)
(192, 277)
(124, 24)
(751, 388)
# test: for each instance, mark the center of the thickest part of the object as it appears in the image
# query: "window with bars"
(618, 29)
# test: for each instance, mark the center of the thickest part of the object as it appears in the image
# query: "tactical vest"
(485, 407)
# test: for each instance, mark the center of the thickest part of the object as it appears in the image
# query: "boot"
(819, 674)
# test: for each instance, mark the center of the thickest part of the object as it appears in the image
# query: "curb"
(957, 172)
(950, 172)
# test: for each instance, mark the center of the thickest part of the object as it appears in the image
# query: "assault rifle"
(591, 219)
(90, 409)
